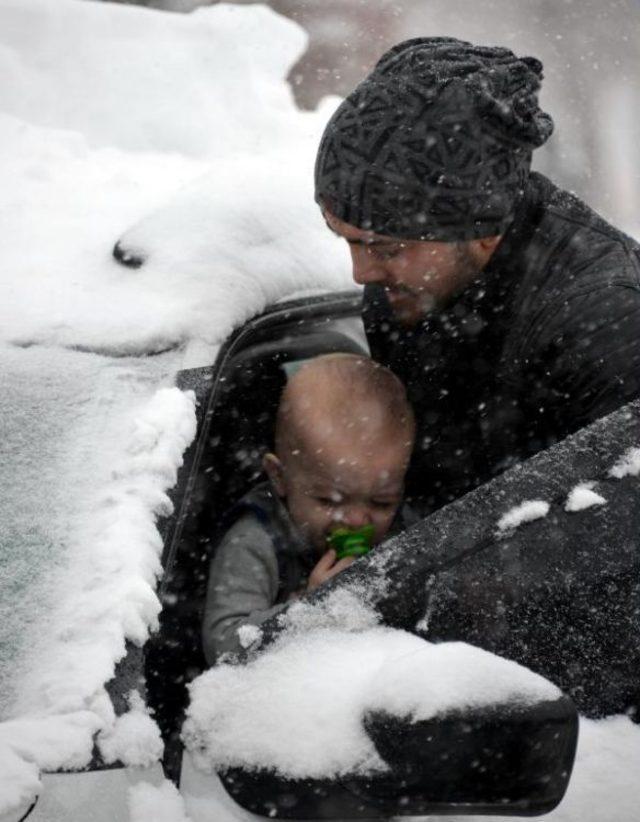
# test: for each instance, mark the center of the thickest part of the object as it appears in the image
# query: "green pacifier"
(351, 542)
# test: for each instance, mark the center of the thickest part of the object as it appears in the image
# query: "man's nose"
(366, 269)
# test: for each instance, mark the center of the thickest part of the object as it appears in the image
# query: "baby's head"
(344, 436)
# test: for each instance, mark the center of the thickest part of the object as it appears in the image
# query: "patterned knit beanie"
(435, 144)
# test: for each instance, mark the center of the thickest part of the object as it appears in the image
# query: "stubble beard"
(410, 311)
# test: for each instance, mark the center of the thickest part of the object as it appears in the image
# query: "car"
(540, 594)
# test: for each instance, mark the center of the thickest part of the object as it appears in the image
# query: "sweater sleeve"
(242, 587)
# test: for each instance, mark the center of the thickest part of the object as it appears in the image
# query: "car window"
(238, 401)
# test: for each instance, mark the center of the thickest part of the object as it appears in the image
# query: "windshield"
(65, 415)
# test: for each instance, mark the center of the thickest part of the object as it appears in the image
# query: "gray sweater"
(259, 562)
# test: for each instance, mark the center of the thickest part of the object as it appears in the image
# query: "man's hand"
(326, 568)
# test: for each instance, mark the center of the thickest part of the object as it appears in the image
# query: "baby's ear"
(273, 469)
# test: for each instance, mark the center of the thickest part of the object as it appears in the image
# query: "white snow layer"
(108, 580)
(106, 111)
(524, 512)
(628, 465)
(298, 707)
(134, 739)
(583, 496)
(156, 803)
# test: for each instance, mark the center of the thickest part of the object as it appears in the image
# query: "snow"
(524, 512)
(583, 496)
(344, 609)
(298, 707)
(160, 803)
(452, 676)
(107, 112)
(178, 136)
(628, 465)
(134, 738)
(248, 635)
(88, 154)
(604, 784)
(39, 741)
(108, 576)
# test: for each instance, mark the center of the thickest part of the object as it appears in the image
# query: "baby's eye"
(385, 503)
(328, 501)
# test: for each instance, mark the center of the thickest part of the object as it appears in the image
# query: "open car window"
(237, 401)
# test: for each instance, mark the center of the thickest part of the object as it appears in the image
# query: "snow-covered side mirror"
(513, 760)
(366, 723)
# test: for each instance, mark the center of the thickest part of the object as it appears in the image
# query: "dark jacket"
(546, 340)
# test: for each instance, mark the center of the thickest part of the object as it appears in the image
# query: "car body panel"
(100, 795)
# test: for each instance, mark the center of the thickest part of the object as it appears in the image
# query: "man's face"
(417, 275)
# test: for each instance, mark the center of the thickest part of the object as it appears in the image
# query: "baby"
(343, 440)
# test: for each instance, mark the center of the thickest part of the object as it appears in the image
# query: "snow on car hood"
(178, 135)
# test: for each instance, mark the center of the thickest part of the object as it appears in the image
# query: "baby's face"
(346, 482)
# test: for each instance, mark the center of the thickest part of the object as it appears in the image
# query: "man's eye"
(384, 254)
(326, 501)
(386, 503)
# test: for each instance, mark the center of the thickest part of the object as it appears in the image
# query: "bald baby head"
(338, 396)
(344, 435)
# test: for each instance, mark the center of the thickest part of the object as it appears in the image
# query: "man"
(510, 309)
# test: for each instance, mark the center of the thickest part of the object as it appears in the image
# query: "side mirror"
(501, 759)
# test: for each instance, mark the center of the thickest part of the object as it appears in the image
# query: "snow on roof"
(298, 707)
(179, 136)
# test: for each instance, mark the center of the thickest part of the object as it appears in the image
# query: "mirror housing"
(513, 760)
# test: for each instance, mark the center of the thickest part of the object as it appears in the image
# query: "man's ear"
(489, 244)
(482, 248)
(273, 469)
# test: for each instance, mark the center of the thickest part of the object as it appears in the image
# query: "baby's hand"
(326, 568)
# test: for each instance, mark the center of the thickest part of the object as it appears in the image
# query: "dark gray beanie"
(435, 144)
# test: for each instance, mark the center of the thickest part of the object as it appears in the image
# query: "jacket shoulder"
(245, 537)
(584, 248)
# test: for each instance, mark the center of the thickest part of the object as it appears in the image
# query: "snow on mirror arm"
(334, 724)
